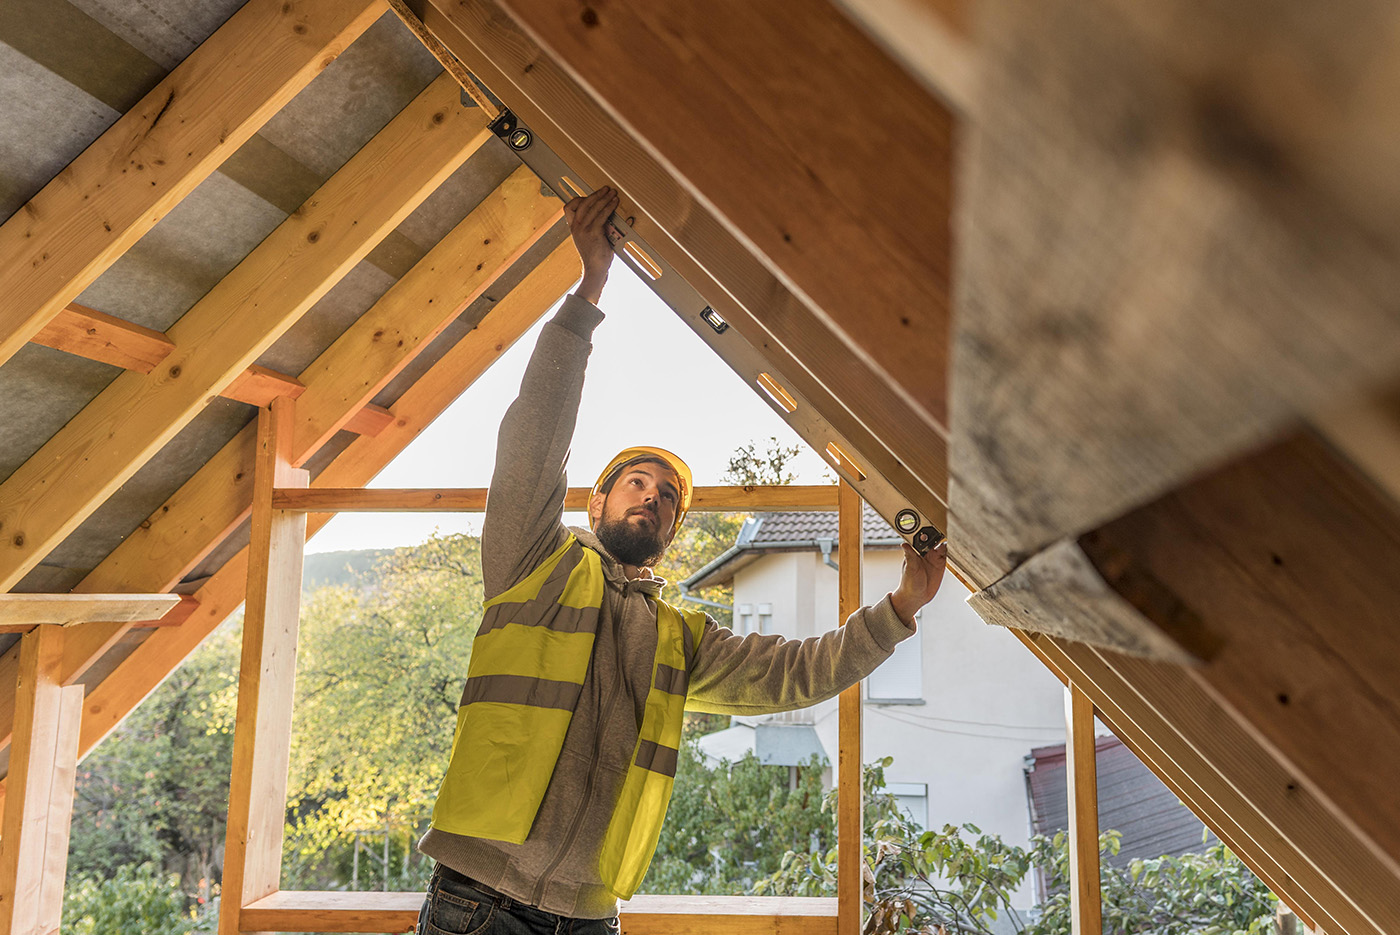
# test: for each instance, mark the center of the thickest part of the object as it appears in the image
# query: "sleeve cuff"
(579, 316)
(884, 624)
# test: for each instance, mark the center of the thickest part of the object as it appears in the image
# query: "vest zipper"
(587, 783)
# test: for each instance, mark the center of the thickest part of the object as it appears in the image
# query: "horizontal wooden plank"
(24, 611)
(318, 911)
(98, 336)
(473, 499)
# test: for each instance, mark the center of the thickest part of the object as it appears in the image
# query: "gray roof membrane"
(67, 71)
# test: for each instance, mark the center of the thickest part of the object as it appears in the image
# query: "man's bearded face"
(639, 515)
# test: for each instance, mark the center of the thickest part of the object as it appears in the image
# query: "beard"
(632, 544)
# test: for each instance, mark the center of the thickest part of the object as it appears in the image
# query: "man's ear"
(595, 507)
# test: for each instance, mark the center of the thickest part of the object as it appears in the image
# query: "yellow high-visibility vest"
(529, 660)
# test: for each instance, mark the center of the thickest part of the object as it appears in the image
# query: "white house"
(959, 705)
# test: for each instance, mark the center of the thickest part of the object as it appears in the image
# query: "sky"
(650, 381)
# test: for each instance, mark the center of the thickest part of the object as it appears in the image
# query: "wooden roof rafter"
(70, 232)
(60, 485)
(336, 389)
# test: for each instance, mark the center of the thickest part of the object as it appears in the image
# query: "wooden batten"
(850, 848)
(1081, 776)
(291, 269)
(98, 336)
(39, 789)
(221, 94)
(259, 386)
(473, 499)
(20, 613)
(642, 915)
(262, 733)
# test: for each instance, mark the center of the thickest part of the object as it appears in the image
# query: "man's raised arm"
(523, 522)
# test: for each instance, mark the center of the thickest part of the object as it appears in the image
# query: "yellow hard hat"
(648, 453)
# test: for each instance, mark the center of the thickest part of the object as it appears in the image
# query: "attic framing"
(1071, 413)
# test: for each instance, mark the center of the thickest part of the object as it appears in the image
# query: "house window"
(743, 618)
(900, 678)
(912, 798)
(765, 619)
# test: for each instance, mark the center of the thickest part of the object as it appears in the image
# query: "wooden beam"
(1287, 559)
(120, 186)
(1368, 434)
(455, 273)
(1235, 785)
(1284, 561)
(1110, 133)
(267, 673)
(850, 845)
(39, 803)
(339, 384)
(1081, 777)
(314, 911)
(473, 499)
(931, 38)
(259, 386)
(138, 675)
(98, 336)
(22, 612)
(369, 419)
(60, 485)
(884, 429)
(826, 162)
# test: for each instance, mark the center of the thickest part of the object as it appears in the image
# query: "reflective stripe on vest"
(528, 663)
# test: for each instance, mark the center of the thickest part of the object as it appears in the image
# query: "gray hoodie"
(556, 868)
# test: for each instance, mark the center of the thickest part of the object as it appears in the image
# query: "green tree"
(156, 791)
(729, 825)
(136, 899)
(947, 882)
(380, 674)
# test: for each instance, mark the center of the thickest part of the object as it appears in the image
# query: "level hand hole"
(643, 260)
(776, 393)
(838, 457)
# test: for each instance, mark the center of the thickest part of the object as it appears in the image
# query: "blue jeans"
(456, 906)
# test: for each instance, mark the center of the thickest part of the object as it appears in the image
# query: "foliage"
(132, 900)
(156, 791)
(1211, 893)
(942, 882)
(381, 674)
(731, 824)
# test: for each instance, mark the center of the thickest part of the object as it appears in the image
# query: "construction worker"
(569, 725)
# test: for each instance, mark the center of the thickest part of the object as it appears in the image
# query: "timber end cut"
(1060, 591)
